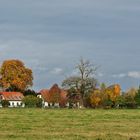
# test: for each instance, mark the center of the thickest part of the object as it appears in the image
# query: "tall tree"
(113, 92)
(84, 82)
(55, 94)
(137, 97)
(15, 76)
(96, 98)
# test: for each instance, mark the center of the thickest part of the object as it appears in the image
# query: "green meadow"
(69, 124)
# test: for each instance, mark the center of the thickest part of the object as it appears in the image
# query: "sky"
(50, 36)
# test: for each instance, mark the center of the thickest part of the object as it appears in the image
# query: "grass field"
(65, 124)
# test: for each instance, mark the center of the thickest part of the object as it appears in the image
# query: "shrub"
(108, 103)
(130, 102)
(5, 103)
(39, 102)
(120, 102)
(32, 101)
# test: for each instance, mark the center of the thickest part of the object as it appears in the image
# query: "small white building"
(14, 98)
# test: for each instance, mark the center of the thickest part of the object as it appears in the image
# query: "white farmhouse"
(14, 98)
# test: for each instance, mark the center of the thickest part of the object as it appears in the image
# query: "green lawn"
(65, 124)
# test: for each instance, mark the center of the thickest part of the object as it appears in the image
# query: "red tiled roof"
(12, 96)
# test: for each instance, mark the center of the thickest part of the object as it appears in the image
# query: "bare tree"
(86, 69)
(84, 82)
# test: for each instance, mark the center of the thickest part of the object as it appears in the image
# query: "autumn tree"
(99, 97)
(84, 82)
(96, 98)
(55, 94)
(130, 97)
(113, 92)
(131, 92)
(15, 76)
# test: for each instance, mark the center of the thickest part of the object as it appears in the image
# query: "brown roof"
(45, 95)
(12, 96)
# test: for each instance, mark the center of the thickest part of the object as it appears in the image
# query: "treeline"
(112, 97)
(82, 88)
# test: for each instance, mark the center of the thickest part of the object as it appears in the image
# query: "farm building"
(14, 98)
(54, 96)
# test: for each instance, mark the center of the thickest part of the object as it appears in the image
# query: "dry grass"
(59, 124)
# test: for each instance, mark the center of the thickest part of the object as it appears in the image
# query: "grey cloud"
(54, 34)
(134, 74)
(130, 74)
(57, 71)
(121, 75)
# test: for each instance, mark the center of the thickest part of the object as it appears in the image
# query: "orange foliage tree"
(101, 97)
(15, 76)
(113, 92)
(55, 94)
(95, 98)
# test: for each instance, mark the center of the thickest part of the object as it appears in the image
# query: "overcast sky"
(50, 36)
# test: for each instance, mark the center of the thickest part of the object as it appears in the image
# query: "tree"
(73, 98)
(55, 94)
(99, 97)
(130, 98)
(120, 102)
(131, 92)
(102, 86)
(96, 98)
(84, 82)
(137, 97)
(15, 76)
(130, 101)
(29, 92)
(113, 92)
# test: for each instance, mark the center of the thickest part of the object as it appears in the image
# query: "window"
(18, 103)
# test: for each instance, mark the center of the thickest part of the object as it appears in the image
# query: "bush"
(39, 102)
(5, 103)
(108, 103)
(32, 101)
(120, 102)
(130, 102)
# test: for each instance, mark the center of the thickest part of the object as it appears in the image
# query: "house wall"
(16, 104)
(39, 96)
(46, 104)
